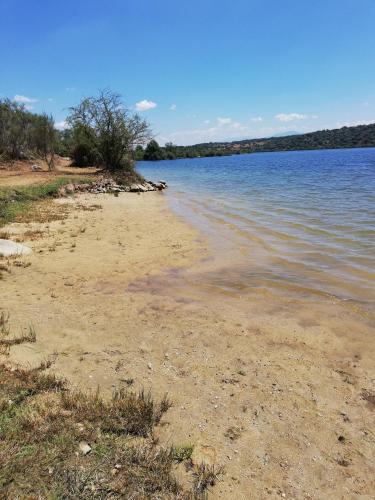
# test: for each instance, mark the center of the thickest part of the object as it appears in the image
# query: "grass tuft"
(205, 476)
(125, 413)
(182, 453)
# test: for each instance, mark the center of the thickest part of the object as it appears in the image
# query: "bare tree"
(110, 129)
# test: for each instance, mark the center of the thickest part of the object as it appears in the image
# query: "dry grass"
(43, 212)
(17, 202)
(5, 341)
(42, 424)
(4, 235)
(205, 476)
(125, 413)
(64, 444)
(4, 324)
(31, 235)
(90, 208)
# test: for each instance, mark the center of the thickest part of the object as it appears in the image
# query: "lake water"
(291, 222)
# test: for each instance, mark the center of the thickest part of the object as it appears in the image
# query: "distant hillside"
(286, 134)
(361, 136)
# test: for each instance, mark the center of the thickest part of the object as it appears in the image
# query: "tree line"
(359, 136)
(26, 135)
(101, 132)
(154, 152)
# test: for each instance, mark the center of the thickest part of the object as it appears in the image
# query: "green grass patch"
(16, 200)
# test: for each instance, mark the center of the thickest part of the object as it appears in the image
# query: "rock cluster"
(107, 185)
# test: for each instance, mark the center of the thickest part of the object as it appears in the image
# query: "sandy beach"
(275, 389)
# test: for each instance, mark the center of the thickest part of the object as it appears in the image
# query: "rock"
(36, 168)
(134, 188)
(159, 185)
(84, 448)
(8, 248)
(69, 188)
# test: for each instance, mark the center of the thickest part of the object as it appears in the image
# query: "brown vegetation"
(60, 443)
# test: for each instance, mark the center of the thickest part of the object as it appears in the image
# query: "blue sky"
(197, 70)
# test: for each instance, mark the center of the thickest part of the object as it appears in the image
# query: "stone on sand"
(8, 248)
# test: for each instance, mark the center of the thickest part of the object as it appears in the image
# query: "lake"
(297, 222)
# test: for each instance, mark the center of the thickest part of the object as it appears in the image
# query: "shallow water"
(291, 222)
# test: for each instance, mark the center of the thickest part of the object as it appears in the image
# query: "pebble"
(84, 448)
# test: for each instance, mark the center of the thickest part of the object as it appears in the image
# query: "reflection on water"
(288, 222)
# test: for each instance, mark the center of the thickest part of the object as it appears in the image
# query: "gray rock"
(8, 248)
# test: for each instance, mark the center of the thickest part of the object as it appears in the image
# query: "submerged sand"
(271, 387)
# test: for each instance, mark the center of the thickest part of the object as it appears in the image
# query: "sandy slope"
(270, 387)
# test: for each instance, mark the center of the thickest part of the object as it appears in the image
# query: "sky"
(197, 70)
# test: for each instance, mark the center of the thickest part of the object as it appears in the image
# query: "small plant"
(4, 324)
(182, 453)
(205, 476)
(5, 331)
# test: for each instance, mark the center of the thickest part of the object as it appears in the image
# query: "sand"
(269, 386)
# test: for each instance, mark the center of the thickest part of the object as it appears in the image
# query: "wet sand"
(268, 385)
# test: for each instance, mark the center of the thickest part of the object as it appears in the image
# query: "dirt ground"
(277, 390)
(19, 173)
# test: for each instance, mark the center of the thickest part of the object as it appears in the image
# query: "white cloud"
(289, 117)
(23, 99)
(224, 121)
(256, 119)
(206, 122)
(61, 125)
(145, 105)
(173, 107)
(353, 123)
(28, 107)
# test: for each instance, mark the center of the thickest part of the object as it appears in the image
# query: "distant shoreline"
(360, 136)
(266, 151)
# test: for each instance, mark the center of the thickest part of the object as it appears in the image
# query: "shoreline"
(118, 289)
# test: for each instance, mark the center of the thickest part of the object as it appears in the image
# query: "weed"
(205, 476)
(5, 331)
(125, 413)
(182, 452)
(4, 324)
